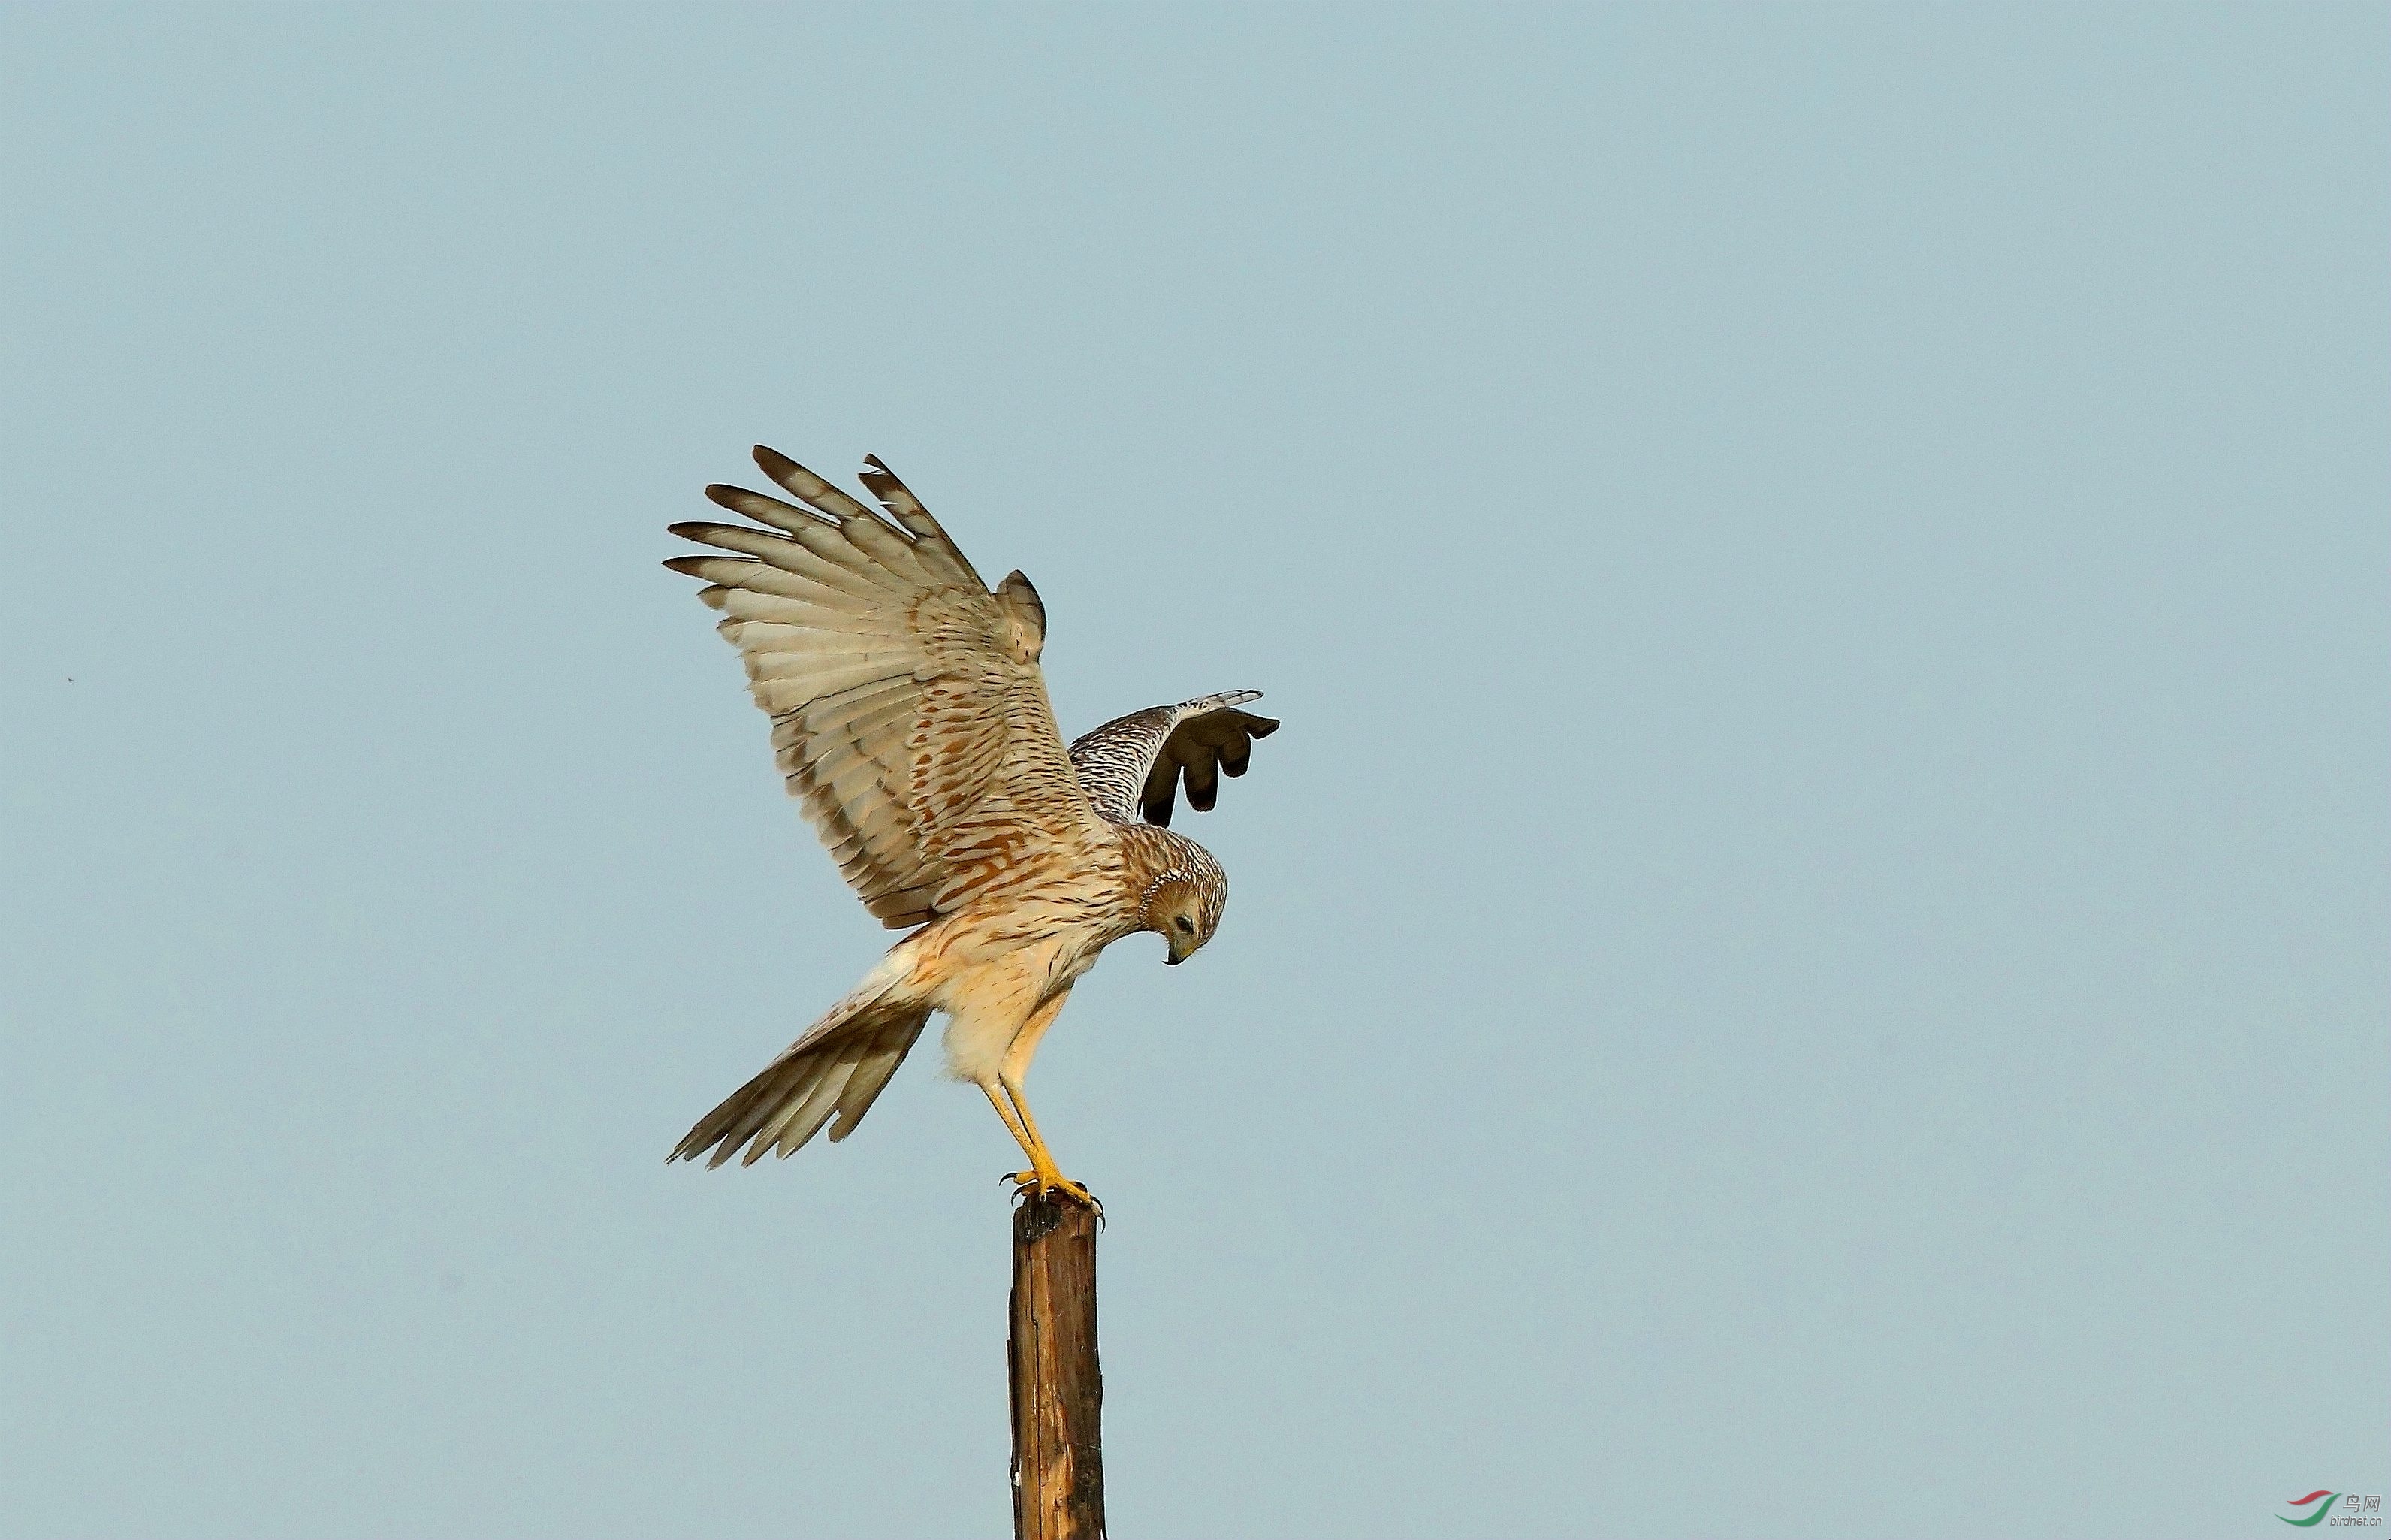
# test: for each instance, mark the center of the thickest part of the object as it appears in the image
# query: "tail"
(837, 1068)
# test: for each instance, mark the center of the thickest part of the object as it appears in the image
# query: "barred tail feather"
(836, 1071)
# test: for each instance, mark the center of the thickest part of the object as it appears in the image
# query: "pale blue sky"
(1811, 958)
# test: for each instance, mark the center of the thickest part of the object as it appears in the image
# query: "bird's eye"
(1183, 923)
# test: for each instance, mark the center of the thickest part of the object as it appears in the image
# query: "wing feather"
(742, 574)
(907, 510)
(909, 714)
(1131, 767)
(805, 485)
(888, 548)
(763, 510)
(814, 552)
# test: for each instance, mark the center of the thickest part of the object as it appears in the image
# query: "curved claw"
(1035, 1184)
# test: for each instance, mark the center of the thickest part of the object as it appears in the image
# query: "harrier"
(910, 720)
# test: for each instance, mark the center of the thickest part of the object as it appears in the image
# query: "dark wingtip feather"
(704, 530)
(814, 491)
(882, 482)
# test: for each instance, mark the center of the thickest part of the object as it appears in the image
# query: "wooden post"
(1058, 1392)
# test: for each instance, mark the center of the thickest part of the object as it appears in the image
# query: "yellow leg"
(999, 1100)
(1043, 1175)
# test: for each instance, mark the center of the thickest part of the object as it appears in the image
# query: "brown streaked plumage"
(911, 720)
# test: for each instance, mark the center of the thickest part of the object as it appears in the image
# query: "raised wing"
(909, 712)
(1132, 765)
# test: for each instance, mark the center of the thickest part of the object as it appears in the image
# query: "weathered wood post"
(1058, 1392)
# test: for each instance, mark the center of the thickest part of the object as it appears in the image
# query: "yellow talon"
(1040, 1184)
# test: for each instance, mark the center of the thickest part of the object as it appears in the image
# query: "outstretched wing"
(1133, 764)
(908, 709)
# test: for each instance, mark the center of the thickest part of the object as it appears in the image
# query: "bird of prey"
(910, 720)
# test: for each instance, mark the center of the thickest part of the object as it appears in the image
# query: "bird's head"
(1184, 907)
